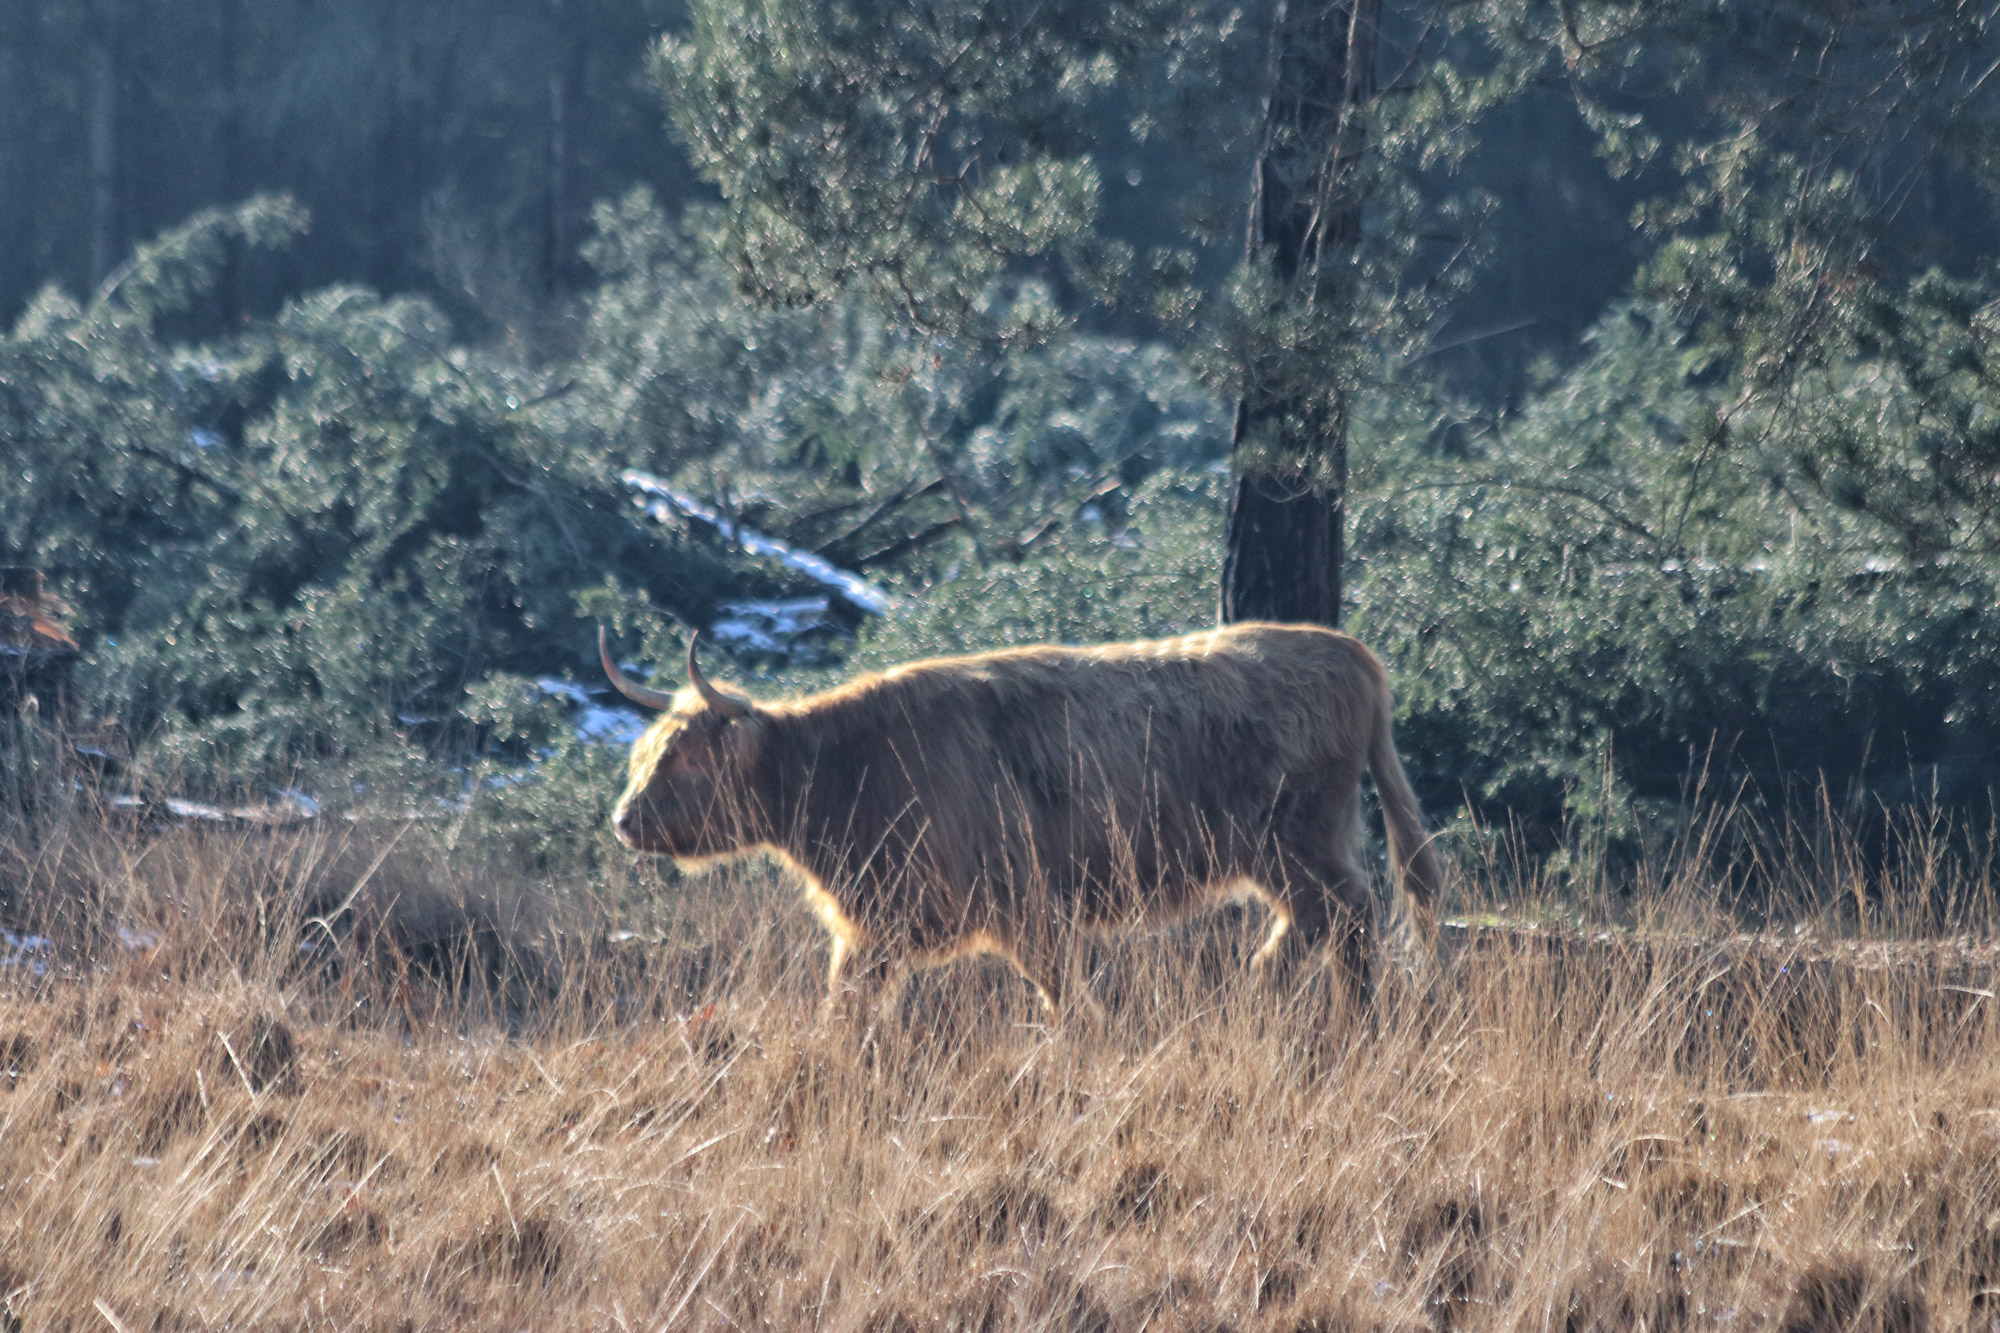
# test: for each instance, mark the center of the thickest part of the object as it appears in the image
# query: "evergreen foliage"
(322, 532)
(1701, 542)
(294, 537)
(1623, 582)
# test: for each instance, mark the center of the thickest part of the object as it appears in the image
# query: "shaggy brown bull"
(995, 803)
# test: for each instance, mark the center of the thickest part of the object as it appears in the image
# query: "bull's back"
(1151, 760)
(1292, 696)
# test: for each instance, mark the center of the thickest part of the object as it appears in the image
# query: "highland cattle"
(1004, 801)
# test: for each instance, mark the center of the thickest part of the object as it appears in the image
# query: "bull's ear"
(728, 705)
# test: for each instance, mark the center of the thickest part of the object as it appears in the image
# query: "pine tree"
(926, 159)
(1286, 517)
(927, 155)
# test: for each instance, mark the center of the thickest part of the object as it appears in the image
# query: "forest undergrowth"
(355, 1078)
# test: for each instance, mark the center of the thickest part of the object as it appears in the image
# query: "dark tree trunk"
(1287, 514)
(1283, 555)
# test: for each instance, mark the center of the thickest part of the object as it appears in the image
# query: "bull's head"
(686, 795)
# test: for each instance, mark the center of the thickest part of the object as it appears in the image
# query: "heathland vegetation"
(363, 1077)
(326, 998)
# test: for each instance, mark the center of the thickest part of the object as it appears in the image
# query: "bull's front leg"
(1041, 966)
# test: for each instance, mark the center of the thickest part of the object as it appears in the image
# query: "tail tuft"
(1419, 871)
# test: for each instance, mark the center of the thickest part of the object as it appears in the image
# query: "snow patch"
(771, 627)
(610, 726)
(290, 807)
(595, 724)
(668, 504)
(564, 689)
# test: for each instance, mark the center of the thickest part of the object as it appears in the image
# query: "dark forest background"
(450, 148)
(457, 149)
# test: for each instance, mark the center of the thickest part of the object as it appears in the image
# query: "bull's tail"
(1412, 857)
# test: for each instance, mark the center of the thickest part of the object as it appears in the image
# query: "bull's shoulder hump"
(942, 682)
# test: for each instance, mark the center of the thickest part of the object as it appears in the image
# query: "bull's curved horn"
(729, 705)
(626, 686)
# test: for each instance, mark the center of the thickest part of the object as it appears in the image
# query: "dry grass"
(420, 1125)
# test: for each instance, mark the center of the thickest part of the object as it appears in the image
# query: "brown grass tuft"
(1854, 1296)
(1004, 1211)
(1141, 1194)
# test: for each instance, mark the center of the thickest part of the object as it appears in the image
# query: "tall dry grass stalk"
(354, 1082)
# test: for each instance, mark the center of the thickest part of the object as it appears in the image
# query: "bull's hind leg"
(1320, 907)
(860, 978)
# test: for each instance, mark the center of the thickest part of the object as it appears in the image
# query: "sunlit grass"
(462, 1106)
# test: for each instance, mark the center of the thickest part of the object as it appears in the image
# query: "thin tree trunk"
(1287, 514)
(556, 257)
(20, 174)
(394, 190)
(105, 242)
(229, 147)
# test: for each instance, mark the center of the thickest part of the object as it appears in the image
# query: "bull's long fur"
(1000, 801)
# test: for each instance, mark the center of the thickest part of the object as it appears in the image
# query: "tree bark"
(1287, 514)
(1284, 550)
(20, 173)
